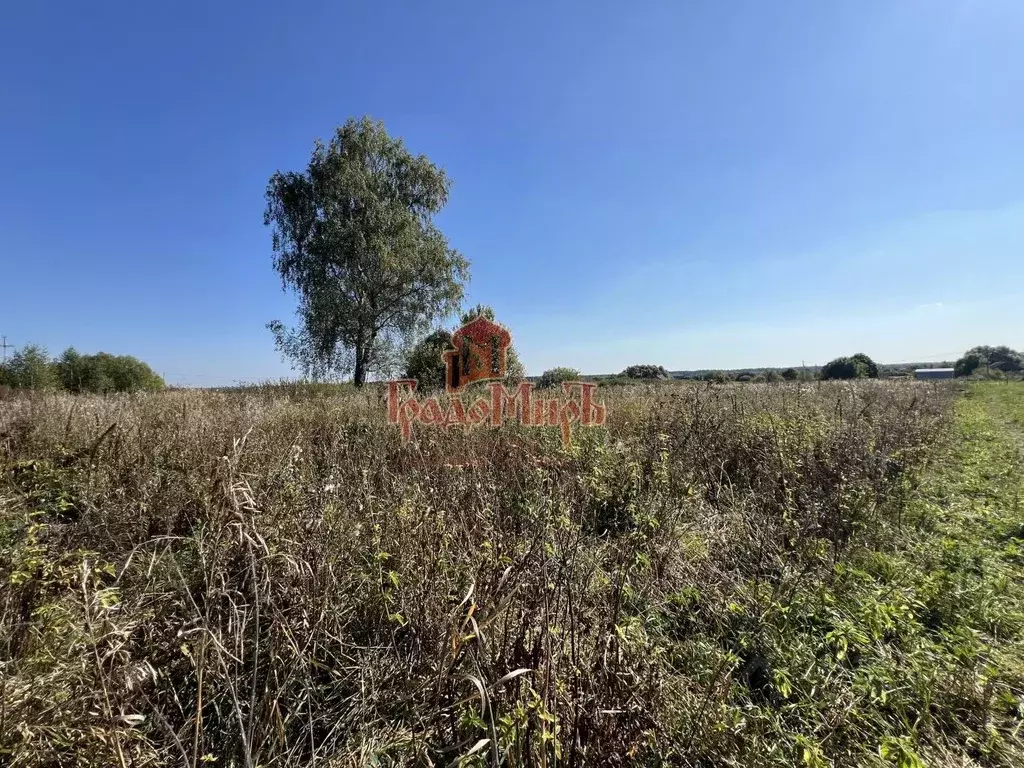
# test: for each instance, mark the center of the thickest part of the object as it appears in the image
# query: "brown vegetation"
(258, 580)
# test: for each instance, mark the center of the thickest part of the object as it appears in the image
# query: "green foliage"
(865, 363)
(646, 372)
(555, 376)
(354, 238)
(845, 368)
(81, 373)
(967, 364)
(426, 362)
(858, 366)
(104, 372)
(29, 368)
(127, 373)
(991, 358)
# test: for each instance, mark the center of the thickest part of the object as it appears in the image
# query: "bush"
(555, 376)
(844, 368)
(646, 372)
(126, 373)
(790, 374)
(869, 366)
(426, 360)
(967, 364)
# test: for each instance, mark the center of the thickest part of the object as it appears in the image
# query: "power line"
(5, 345)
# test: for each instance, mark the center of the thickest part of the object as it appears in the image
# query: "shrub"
(555, 376)
(869, 366)
(426, 360)
(844, 368)
(790, 374)
(646, 372)
(127, 374)
(967, 364)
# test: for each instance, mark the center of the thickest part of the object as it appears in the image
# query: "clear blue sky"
(693, 184)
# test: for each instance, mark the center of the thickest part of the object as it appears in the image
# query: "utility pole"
(5, 345)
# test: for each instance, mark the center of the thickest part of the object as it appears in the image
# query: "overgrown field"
(738, 575)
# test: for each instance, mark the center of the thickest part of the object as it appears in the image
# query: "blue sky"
(692, 184)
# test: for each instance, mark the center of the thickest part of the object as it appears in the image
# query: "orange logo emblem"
(480, 354)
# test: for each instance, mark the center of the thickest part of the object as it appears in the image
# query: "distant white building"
(933, 373)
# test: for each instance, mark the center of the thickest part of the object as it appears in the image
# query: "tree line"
(981, 360)
(32, 368)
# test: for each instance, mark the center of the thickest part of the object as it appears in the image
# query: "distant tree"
(81, 373)
(720, 377)
(745, 376)
(104, 372)
(29, 368)
(844, 368)
(967, 364)
(354, 238)
(772, 376)
(426, 360)
(555, 376)
(646, 372)
(999, 358)
(870, 368)
(791, 374)
(126, 373)
(514, 369)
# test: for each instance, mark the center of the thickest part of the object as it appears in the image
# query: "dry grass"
(259, 580)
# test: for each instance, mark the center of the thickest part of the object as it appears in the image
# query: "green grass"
(916, 647)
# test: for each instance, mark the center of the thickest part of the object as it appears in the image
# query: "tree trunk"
(359, 374)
